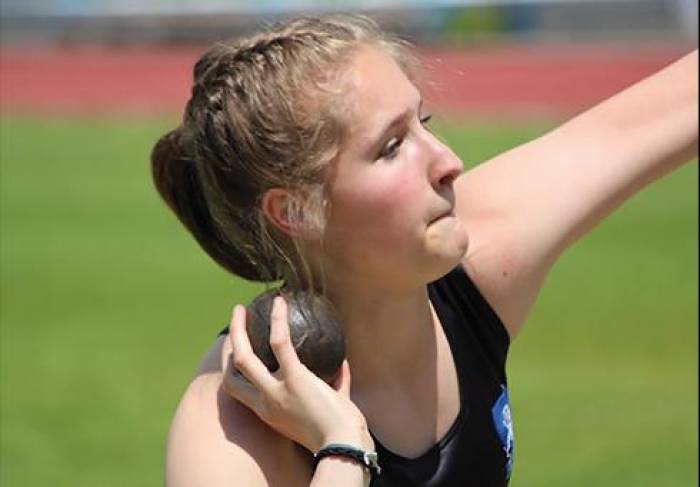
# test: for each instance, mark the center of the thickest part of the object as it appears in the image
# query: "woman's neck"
(388, 336)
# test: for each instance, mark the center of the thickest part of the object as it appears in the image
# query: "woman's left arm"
(523, 208)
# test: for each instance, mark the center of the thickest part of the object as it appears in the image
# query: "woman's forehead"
(379, 91)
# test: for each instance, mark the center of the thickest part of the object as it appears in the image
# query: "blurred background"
(107, 304)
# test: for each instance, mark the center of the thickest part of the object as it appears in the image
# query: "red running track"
(494, 81)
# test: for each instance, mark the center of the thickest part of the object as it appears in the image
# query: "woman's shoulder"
(214, 440)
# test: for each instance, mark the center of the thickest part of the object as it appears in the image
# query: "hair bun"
(175, 177)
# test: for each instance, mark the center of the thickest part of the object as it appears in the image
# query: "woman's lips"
(448, 213)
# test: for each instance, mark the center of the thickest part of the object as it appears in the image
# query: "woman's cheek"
(384, 201)
(394, 199)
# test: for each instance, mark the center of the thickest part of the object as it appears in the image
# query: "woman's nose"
(445, 168)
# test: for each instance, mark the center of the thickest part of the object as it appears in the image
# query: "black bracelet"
(366, 459)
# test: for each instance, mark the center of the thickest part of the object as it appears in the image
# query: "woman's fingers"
(244, 359)
(280, 340)
(294, 402)
(239, 388)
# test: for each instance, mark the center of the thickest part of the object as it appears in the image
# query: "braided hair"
(264, 112)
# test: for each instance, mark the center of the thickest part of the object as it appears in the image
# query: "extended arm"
(525, 207)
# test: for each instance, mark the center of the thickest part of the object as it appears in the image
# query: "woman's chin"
(448, 239)
(448, 249)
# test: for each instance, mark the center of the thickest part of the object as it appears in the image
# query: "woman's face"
(392, 219)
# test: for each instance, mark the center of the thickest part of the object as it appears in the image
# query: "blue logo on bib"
(500, 413)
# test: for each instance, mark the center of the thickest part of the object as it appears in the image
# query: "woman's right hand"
(292, 400)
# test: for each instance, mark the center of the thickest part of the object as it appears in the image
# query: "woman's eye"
(391, 149)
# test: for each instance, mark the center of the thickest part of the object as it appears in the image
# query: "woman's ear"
(276, 205)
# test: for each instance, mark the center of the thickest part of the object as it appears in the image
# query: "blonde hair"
(265, 112)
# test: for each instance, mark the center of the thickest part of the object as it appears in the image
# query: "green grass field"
(108, 304)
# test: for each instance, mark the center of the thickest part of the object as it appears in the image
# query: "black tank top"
(477, 450)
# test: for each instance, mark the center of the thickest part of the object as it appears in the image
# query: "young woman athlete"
(303, 155)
